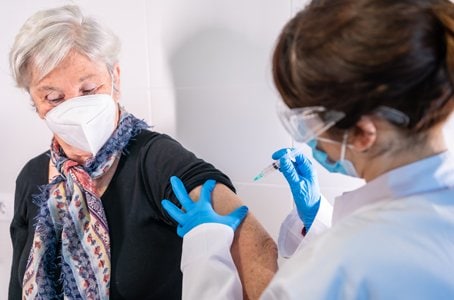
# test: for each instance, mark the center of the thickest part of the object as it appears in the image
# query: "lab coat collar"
(429, 174)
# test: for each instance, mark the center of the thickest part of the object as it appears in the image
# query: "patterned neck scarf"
(70, 254)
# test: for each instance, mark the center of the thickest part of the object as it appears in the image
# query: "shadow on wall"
(215, 57)
(222, 97)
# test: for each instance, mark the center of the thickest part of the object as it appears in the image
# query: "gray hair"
(48, 36)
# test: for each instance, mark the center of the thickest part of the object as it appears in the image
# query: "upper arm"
(164, 157)
(253, 250)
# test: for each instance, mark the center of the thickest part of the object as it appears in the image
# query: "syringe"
(275, 165)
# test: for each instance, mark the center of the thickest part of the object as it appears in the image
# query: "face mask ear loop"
(112, 90)
(344, 145)
(112, 86)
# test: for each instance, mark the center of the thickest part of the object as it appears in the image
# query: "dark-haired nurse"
(386, 69)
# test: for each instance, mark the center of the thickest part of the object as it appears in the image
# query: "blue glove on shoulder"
(301, 176)
(200, 212)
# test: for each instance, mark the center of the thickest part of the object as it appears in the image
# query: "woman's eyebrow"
(48, 88)
(86, 77)
(51, 88)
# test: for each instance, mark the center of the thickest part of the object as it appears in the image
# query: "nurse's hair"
(357, 55)
(48, 36)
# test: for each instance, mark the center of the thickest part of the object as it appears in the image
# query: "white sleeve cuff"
(204, 240)
(291, 230)
(207, 265)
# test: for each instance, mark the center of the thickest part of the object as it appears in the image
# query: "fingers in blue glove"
(293, 166)
(201, 211)
(207, 189)
(304, 166)
(238, 216)
(285, 165)
(281, 152)
(173, 211)
(301, 165)
(181, 193)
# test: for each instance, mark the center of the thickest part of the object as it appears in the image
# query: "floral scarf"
(70, 254)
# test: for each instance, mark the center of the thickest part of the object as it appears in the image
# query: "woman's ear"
(116, 81)
(364, 134)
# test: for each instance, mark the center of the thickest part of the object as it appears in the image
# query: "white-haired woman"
(88, 222)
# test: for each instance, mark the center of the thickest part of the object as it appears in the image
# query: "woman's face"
(75, 76)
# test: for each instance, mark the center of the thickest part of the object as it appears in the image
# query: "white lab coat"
(390, 239)
(208, 269)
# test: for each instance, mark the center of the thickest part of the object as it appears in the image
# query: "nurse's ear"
(364, 134)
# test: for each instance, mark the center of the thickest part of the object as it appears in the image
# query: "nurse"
(388, 68)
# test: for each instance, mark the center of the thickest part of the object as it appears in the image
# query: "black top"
(145, 249)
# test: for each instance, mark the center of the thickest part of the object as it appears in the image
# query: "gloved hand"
(303, 183)
(200, 212)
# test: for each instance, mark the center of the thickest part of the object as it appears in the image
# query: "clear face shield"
(307, 123)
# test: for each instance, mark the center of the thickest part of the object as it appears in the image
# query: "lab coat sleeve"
(207, 265)
(291, 230)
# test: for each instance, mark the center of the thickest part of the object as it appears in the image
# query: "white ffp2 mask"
(84, 122)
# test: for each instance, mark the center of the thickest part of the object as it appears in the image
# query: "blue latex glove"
(303, 183)
(200, 212)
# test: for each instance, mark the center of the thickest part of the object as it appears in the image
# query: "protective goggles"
(306, 123)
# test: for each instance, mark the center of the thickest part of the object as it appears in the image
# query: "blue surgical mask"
(342, 166)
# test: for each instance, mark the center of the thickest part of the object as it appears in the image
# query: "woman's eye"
(55, 102)
(54, 99)
(89, 91)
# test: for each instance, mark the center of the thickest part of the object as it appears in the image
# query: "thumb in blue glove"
(301, 177)
(200, 212)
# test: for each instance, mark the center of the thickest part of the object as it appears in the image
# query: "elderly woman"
(370, 84)
(88, 223)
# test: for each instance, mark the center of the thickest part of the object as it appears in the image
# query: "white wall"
(198, 70)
